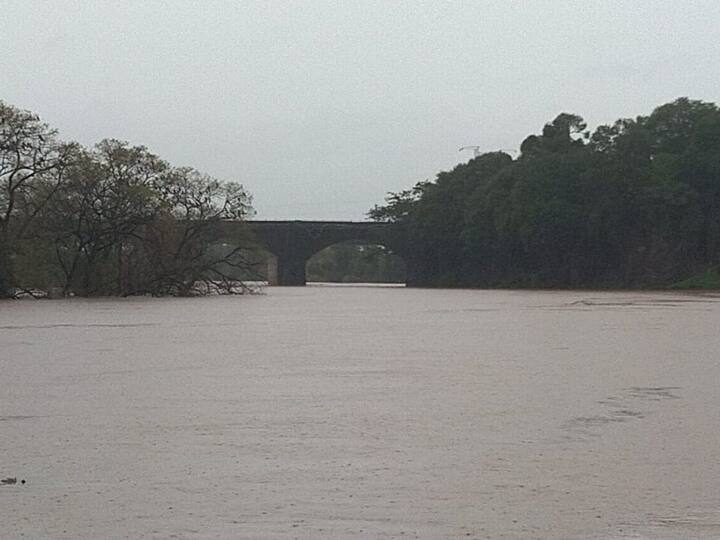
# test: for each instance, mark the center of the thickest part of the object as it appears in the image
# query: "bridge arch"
(356, 261)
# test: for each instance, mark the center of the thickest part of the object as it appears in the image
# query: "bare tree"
(177, 253)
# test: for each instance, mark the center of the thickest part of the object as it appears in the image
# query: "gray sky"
(320, 108)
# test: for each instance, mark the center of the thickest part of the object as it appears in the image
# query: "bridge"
(292, 243)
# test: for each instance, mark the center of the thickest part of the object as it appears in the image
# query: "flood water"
(362, 412)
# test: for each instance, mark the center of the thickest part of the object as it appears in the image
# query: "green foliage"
(632, 204)
(398, 205)
(708, 280)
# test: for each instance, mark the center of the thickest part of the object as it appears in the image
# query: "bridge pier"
(289, 272)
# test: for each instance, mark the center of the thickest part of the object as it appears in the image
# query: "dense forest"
(632, 204)
(114, 219)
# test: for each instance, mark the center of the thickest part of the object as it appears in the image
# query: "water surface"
(352, 412)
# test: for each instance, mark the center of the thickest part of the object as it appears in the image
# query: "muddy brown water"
(362, 412)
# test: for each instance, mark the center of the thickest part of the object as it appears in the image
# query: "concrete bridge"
(292, 243)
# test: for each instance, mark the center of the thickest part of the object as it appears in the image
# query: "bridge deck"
(305, 222)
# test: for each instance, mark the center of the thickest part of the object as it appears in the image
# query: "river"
(362, 412)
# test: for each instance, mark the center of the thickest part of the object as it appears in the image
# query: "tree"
(175, 253)
(32, 169)
(111, 192)
(126, 222)
(398, 206)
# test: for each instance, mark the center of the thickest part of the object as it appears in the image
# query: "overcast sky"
(320, 108)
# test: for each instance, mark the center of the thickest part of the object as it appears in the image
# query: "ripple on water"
(621, 408)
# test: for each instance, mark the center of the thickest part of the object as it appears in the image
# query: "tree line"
(632, 204)
(114, 219)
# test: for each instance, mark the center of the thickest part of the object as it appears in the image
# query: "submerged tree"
(176, 252)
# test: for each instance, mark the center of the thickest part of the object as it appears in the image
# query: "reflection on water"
(362, 412)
